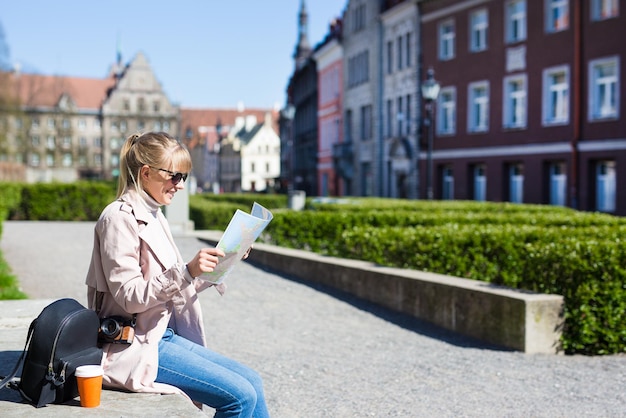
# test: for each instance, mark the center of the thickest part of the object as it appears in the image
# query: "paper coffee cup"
(89, 382)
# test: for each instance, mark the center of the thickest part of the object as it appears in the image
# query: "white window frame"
(604, 9)
(604, 89)
(478, 26)
(515, 102)
(556, 95)
(446, 111)
(446, 40)
(557, 15)
(478, 107)
(515, 21)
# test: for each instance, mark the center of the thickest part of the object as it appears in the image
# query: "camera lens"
(110, 327)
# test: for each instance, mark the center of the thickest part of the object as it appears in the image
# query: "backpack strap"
(10, 380)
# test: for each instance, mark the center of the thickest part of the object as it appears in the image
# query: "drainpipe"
(577, 78)
(382, 175)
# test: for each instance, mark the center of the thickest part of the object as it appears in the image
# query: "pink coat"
(126, 269)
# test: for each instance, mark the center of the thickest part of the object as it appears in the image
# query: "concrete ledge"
(510, 318)
(15, 318)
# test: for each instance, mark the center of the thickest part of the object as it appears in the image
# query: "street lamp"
(430, 91)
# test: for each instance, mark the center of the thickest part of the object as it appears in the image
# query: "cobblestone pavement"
(323, 354)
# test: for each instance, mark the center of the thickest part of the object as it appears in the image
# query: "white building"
(250, 156)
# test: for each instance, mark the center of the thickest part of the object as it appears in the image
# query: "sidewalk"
(321, 354)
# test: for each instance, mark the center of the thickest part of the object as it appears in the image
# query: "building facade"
(329, 58)
(535, 115)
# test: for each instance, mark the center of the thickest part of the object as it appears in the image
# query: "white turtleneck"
(154, 207)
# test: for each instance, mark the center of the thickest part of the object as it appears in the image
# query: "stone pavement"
(320, 353)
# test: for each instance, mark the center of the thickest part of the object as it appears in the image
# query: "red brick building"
(530, 103)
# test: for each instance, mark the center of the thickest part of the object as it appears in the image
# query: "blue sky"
(207, 53)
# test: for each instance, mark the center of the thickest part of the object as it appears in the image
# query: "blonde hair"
(154, 149)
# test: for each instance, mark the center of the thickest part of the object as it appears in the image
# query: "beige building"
(69, 128)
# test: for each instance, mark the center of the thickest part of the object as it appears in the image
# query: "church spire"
(303, 49)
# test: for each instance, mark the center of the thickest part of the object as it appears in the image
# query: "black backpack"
(63, 337)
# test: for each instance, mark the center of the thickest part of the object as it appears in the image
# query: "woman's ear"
(144, 172)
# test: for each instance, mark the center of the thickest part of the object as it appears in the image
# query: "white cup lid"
(90, 370)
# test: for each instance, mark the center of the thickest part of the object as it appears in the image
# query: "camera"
(116, 330)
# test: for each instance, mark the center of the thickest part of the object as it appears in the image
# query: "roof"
(35, 90)
(202, 123)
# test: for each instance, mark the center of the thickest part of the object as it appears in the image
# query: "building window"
(141, 104)
(358, 69)
(558, 184)
(51, 123)
(366, 122)
(479, 23)
(67, 142)
(65, 124)
(82, 124)
(605, 186)
(604, 9)
(50, 160)
(556, 96)
(34, 160)
(479, 183)
(389, 118)
(156, 106)
(604, 89)
(446, 111)
(478, 107)
(447, 187)
(51, 142)
(358, 18)
(515, 102)
(446, 40)
(67, 160)
(389, 57)
(126, 105)
(97, 142)
(400, 116)
(400, 47)
(409, 55)
(408, 114)
(123, 126)
(516, 183)
(515, 21)
(82, 142)
(34, 123)
(34, 140)
(557, 15)
(166, 126)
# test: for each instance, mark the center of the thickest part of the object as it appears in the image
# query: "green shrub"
(80, 201)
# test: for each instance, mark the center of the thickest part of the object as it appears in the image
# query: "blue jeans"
(232, 389)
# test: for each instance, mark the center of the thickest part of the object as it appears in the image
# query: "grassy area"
(8, 283)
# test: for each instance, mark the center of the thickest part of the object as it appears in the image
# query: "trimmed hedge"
(80, 201)
(544, 249)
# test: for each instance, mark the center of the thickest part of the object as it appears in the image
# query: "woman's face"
(159, 183)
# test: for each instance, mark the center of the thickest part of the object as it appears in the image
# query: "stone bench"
(15, 317)
(509, 318)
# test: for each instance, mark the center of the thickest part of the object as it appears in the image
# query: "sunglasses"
(176, 176)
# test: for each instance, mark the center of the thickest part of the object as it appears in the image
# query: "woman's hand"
(205, 261)
(247, 253)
